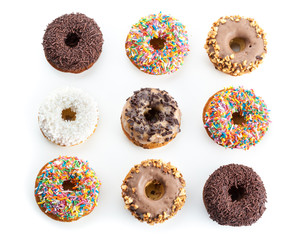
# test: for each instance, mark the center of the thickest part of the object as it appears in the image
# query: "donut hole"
(154, 190)
(238, 119)
(152, 114)
(68, 185)
(237, 44)
(236, 193)
(68, 114)
(72, 40)
(157, 43)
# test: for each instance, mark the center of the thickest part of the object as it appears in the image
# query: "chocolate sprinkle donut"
(234, 195)
(72, 43)
(236, 45)
(153, 191)
(151, 118)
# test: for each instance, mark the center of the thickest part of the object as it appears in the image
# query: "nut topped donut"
(67, 189)
(72, 43)
(153, 191)
(157, 44)
(151, 118)
(234, 195)
(236, 118)
(236, 45)
(68, 116)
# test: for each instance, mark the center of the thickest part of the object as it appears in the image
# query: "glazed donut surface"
(151, 118)
(236, 45)
(153, 191)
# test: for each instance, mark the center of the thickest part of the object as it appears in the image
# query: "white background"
(26, 78)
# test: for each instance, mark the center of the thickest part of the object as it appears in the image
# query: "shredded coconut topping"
(66, 132)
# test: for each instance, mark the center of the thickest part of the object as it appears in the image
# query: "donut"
(151, 118)
(236, 45)
(68, 116)
(157, 44)
(67, 189)
(236, 118)
(72, 43)
(153, 191)
(234, 195)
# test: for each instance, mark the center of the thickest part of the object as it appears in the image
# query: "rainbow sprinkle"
(67, 205)
(157, 61)
(218, 118)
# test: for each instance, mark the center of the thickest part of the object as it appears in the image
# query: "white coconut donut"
(68, 116)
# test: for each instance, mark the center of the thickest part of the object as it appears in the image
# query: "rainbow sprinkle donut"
(157, 44)
(67, 189)
(236, 118)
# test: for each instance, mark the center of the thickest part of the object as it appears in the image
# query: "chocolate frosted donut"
(72, 43)
(153, 191)
(234, 195)
(151, 118)
(236, 45)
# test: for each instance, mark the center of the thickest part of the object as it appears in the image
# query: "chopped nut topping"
(135, 208)
(225, 64)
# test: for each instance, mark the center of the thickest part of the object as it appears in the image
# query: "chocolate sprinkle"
(234, 195)
(72, 43)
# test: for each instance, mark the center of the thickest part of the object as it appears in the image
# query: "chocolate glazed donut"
(153, 191)
(72, 43)
(236, 45)
(234, 195)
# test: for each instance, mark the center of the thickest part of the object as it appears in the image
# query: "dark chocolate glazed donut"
(234, 195)
(72, 43)
(153, 191)
(236, 45)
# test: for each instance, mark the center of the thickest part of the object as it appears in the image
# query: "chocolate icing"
(253, 46)
(246, 33)
(145, 208)
(234, 195)
(151, 116)
(72, 42)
